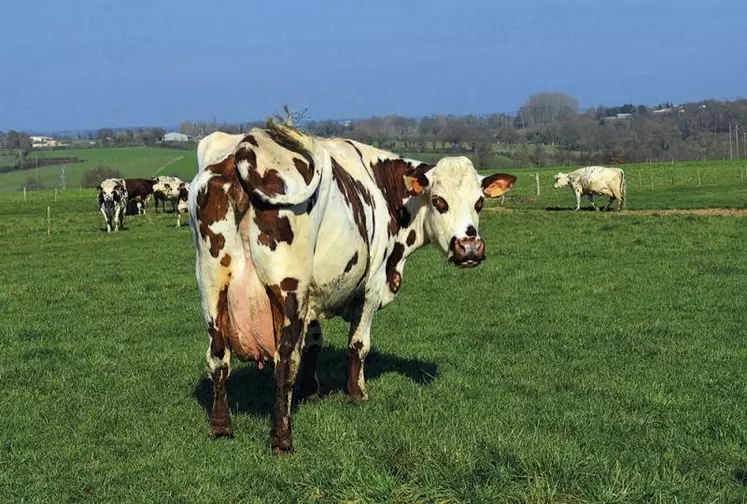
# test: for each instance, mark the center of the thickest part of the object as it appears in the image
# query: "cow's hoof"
(219, 430)
(311, 398)
(357, 399)
(281, 446)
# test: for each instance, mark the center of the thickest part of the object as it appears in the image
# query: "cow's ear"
(99, 188)
(416, 183)
(497, 184)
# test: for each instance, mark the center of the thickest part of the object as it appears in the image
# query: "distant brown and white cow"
(593, 180)
(139, 190)
(112, 200)
(289, 229)
(167, 189)
(182, 204)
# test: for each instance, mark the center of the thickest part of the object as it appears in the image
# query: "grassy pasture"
(593, 357)
(131, 161)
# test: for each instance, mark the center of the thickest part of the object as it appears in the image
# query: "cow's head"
(561, 180)
(109, 194)
(454, 194)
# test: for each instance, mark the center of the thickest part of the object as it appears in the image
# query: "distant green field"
(594, 357)
(717, 184)
(131, 161)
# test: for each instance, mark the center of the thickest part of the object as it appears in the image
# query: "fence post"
(55, 195)
(700, 182)
(537, 180)
(49, 221)
(24, 194)
(672, 176)
(652, 181)
(639, 179)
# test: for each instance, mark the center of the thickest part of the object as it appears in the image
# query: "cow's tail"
(285, 182)
(623, 190)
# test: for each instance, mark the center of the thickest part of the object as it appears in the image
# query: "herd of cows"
(289, 229)
(116, 196)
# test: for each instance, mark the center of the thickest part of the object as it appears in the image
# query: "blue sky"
(96, 63)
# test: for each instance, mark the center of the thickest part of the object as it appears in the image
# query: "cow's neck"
(415, 234)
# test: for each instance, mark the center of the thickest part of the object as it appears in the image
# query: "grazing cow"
(289, 229)
(139, 190)
(166, 189)
(593, 180)
(113, 202)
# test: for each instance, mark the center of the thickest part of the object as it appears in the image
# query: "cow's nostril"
(471, 231)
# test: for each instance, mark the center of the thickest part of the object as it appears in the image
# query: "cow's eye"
(440, 204)
(478, 204)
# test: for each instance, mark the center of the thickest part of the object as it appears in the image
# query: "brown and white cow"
(112, 200)
(167, 189)
(593, 180)
(182, 204)
(138, 191)
(289, 229)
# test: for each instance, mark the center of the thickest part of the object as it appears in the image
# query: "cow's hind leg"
(219, 363)
(358, 347)
(308, 381)
(288, 306)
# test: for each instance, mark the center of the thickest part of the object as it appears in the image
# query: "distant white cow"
(593, 180)
(113, 202)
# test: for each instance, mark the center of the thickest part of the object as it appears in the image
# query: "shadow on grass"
(252, 391)
(570, 209)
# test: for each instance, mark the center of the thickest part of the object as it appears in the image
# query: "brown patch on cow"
(213, 202)
(411, 238)
(356, 196)
(304, 169)
(287, 142)
(218, 327)
(389, 176)
(226, 261)
(354, 388)
(440, 204)
(479, 204)
(273, 229)
(352, 262)
(393, 278)
(289, 284)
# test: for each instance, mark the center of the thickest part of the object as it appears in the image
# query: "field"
(594, 357)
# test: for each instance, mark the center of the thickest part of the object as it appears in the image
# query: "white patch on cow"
(455, 180)
(112, 197)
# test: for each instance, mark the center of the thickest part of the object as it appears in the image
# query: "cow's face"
(561, 180)
(110, 194)
(454, 194)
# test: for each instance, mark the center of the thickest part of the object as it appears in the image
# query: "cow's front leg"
(308, 381)
(288, 316)
(107, 221)
(358, 346)
(578, 198)
(591, 201)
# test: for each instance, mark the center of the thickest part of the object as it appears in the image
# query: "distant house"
(175, 137)
(43, 141)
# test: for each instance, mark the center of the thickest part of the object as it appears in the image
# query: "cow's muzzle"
(467, 252)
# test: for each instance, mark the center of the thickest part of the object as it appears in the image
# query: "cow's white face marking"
(561, 180)
(452, 200)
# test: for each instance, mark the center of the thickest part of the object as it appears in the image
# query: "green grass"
(594, 357)
(722, 184)
(131, 161)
